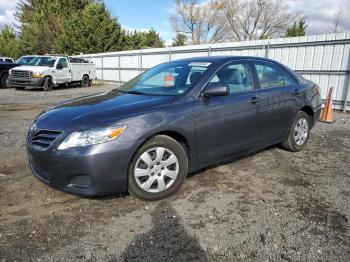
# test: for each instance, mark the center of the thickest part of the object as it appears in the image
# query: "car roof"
(222, 59)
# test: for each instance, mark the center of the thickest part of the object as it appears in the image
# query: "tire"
(85, 82)
(48, 85)
(299, 133)
(171, 169)
(4, 81)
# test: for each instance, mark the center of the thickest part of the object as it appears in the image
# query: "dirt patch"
(270, 206)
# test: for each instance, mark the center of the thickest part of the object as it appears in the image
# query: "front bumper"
(30, 82)
(87, 171)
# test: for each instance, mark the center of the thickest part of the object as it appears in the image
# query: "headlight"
(38, 75)
(91, 137)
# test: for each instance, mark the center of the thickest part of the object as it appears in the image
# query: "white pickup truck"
(49, 71)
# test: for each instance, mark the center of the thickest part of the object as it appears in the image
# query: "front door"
(63, 75)
(225, 124)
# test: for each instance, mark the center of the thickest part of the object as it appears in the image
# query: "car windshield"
(42, 61)
(24, 60)
(167, 79)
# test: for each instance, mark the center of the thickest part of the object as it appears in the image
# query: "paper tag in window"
(169, 80)
(203, 64)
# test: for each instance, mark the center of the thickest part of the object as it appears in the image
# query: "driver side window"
(236, 76)
(63, 62)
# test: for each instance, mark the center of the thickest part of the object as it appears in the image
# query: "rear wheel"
(85, 82)
(48, 85)
(4, 81)
(158, 169)
(299, 133)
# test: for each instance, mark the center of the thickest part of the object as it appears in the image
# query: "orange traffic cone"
(327, 113)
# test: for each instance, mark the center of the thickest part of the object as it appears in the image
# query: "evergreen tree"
(92, 31)
(298, 29)
(42, 20)
(9, 44)
(141, 40)
(75, 26)
(179, 40)
(153, 40)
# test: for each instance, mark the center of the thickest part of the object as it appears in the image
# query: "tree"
(9, 44)
(144, 39)
(41, 22)
(298, 29)
(337, 22)
(200, 22)
(153, 40)
(179, 40)
(256, 19)
(232, 20)
(93, 30)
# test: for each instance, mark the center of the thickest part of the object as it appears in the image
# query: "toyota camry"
(178, 117)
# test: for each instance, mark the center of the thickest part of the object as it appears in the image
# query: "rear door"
(226, 124)
(278, 93)
(63, 75)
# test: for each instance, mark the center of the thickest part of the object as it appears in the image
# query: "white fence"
(324, 59)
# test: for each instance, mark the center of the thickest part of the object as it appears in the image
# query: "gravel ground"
(270, 206)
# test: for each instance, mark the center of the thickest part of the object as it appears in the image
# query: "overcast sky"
(141, 14)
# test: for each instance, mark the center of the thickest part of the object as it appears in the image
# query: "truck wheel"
(85, 82)
(48, 85)
(4, 82)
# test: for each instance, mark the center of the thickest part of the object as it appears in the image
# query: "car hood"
(98, 110)
(32, 68)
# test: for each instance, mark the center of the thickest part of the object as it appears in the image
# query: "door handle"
(296, 91)
(254, 100)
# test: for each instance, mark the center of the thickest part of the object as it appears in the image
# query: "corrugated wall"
(324, 59)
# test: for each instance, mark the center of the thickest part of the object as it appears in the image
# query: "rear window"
(272, 76)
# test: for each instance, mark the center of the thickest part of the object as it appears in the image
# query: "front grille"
(42, 139)
(81, 181)
(21, 74)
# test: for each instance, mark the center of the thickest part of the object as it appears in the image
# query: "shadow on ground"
(167, 241)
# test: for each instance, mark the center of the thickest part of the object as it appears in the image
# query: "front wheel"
(299, 133)
(4, 81)
(48, 85)
(158, 169)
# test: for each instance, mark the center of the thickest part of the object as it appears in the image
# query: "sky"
(146, 14)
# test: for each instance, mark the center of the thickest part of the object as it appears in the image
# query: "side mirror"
(59, 66)
(216, 90)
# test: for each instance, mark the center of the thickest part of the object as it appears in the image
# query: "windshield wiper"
(134, 92)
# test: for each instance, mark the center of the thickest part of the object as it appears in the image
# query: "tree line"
(70, 27)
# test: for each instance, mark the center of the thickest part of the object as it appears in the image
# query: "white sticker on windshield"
(204, 64)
